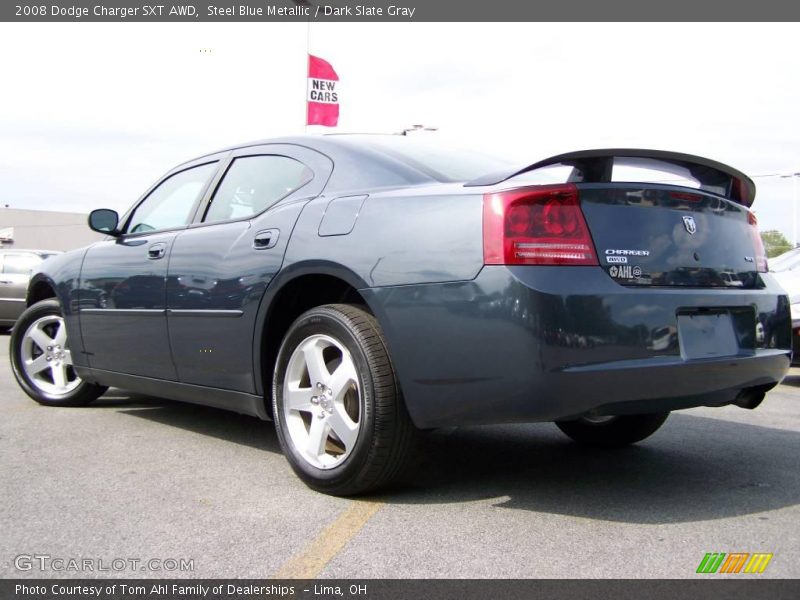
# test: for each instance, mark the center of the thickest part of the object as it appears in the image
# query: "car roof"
(325, 143)
(366, 161)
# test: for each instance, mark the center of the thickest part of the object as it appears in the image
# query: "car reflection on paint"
(731, 279)
(663, 338)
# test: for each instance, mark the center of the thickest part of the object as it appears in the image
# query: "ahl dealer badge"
(625, 271)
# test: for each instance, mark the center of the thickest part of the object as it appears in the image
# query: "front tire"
(339, 413)
(42, 361)
(613, 431)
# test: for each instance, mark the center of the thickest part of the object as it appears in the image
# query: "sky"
(91, 114)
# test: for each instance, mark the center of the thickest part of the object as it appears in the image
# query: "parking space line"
(321, 550)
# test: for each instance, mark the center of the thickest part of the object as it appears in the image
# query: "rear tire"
(42, 361)
(339, 414)
(613, 431)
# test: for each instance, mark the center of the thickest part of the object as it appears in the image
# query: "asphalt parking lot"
(143, 478)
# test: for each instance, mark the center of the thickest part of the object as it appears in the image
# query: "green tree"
(775, 242)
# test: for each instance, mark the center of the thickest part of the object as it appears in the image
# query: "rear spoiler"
(595, 166)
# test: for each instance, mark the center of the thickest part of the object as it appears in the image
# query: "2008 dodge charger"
(359, 288)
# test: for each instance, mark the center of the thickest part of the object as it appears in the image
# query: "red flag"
(323, 96)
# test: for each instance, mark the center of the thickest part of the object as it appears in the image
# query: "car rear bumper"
(523, 344)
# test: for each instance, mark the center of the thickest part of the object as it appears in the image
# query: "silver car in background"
(786, 269)
(15, 272)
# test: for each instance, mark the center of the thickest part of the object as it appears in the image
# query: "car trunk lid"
(654, 218)
(669, 236)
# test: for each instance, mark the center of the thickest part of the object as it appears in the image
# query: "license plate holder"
(707, 334)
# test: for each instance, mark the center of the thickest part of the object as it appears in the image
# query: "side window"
(20, 264)
(253, 184)
(170, 204)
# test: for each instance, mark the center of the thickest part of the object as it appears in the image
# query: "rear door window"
(254, 183)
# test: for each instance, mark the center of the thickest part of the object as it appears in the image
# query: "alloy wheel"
(46, 358)
(322, 401)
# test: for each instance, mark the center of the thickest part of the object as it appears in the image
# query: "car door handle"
(266, 239)
(4, 281)
(157, 251)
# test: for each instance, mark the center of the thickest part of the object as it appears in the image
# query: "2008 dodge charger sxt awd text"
(358, 288)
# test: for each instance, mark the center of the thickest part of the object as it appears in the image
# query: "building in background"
(44, 230)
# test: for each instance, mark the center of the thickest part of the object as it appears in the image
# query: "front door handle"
(265, 239)
(157, 251)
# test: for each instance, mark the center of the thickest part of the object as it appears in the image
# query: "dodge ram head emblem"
(690, 225)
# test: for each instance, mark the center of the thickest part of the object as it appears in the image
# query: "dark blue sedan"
(359, 289)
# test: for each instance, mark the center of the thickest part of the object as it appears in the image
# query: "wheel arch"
(68, 390)
(40, 287)
(293, 291)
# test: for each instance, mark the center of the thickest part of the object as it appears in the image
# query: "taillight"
(537, 225)
(761, 253)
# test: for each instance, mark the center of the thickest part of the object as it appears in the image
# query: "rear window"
(654, 171)
(439, 161)
(626, 170)
(551, 174)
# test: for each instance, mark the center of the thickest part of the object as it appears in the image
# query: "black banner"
(396, 589)
(398, 10)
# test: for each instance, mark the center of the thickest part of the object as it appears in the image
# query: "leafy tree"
(775, 242)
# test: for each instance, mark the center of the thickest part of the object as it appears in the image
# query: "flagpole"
(308, 53)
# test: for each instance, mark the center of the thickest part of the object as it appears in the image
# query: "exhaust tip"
(750, 398)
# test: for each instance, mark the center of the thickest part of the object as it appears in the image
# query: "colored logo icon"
(735, 562)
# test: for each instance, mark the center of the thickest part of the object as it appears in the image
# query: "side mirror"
(104, 220)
